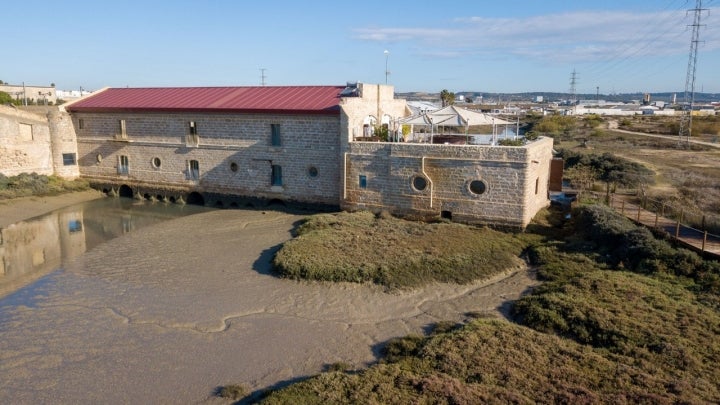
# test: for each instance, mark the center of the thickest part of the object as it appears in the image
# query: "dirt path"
(667, 137)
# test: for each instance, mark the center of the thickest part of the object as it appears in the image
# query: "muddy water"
(34, 248)
(166, 313)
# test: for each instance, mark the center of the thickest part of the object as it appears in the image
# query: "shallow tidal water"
(168, 312)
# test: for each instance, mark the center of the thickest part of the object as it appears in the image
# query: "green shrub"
(29, 184)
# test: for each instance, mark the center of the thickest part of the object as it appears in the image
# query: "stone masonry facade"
(235, 154)
(502, 186)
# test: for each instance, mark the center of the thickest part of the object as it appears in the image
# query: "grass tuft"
(235, 392)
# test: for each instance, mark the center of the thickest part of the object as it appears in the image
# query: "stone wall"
(31, 142)
(24, 143)
(501, 185)
(234, 152)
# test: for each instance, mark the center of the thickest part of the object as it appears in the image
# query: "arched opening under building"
(446, 215)
(219, 204)
(125, 191)
(195, 198)
(276, 202)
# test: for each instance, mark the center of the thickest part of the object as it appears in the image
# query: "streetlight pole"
(387, 54)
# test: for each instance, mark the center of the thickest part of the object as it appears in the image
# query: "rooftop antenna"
(686, 117)
(262, 76)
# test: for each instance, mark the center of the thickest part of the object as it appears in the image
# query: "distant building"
(27, 94)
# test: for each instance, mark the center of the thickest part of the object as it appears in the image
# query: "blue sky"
(487, 46)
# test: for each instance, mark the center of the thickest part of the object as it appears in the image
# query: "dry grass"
(686, 174)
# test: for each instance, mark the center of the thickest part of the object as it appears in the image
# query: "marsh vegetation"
(621, 317)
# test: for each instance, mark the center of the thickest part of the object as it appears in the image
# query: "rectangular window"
(275, 135)
(276, 175)
(193, 128)
(123, 165)
(123, 131)
(537, 185)
(363, 181)
(69, 159)
(193, 170)
(81, 123)
(26, 132)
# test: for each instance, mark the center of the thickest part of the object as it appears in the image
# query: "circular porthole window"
(99, 157)
(233, 167)
(477, 187)
(312, 171)
(156, 162)
(419, 183)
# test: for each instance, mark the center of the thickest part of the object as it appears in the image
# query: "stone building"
(240, 146)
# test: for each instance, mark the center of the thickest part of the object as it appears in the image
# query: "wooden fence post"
(704, 241)
(677, 230)
(638, 215)
(656, 219)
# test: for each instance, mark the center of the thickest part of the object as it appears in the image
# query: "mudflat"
(171, 312)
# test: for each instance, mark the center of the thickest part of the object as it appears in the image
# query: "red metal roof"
(257, 99)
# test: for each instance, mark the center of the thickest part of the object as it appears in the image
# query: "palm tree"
(447, 97)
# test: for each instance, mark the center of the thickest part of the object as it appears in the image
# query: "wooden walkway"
(708, 245)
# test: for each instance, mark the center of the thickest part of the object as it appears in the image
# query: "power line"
(629, 57)
(686, 118)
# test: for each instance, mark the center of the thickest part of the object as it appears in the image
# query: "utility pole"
(387, 72)
(573, 84)
(262, 76)
(686, 117)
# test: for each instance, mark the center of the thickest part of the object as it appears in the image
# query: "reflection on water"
(33, 248)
